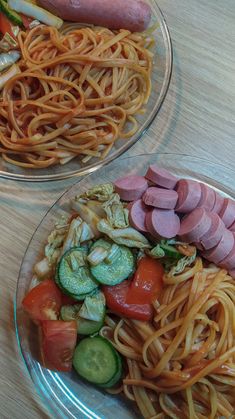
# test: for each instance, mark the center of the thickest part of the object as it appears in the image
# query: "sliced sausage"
(161, 177)
(160, 198)
(162, 223)
(229, 262)
(207, 200)
(137, 215)
(215, 232)
(189, 195)
(194, 225)
(133, 15)
(131, 187)
(222, 249)
(232, 273)
(232, 227)
(227, 213)
(219, 200)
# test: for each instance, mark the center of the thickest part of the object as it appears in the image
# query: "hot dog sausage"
(222, 249)
(194, 225)
(131, 187)
(162, 223)
(160, 198)
(161, 177)
(207, 200)
(137, 215)
(227, 213)
(214, 234)
(219, 200)
(189, 195)
(229, 261)
(133, 15)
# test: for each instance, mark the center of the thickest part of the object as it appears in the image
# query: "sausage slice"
(161, 177)
(229, 261)
(189, 195)
(215, 232)
(207, 200)
(219, 200)
(162, 223)
(227, 212)
(232, 227)
(195, 225)
(160, 198)
(137, 215)
(131, 187)
(133, 15)
(222, 249)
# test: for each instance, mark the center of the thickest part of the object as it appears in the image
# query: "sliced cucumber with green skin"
(116, 378)
(96, 360)
(114, 270)
(73, 276)
(13, 16)
(84, 326)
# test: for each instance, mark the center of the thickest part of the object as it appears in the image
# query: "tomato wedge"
(147, 283)
(43, 302)
(6, 26)
(58, 341)
(116, 301)
(26, 20)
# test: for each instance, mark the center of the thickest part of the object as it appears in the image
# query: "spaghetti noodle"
(182, 365)
(77, 92)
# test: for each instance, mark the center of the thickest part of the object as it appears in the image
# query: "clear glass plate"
(65, 395)
(160, 82)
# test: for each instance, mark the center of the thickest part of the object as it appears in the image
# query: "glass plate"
(160, 82)
(64, 393)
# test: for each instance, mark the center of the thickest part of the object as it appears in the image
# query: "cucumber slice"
(96, 360)
(10, 14)
(116, 269)
(116, 378)
(73, 275)
(84, 326)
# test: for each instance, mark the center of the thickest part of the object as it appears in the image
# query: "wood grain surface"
(197, 118)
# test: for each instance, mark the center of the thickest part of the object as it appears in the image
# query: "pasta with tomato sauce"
(78, 90)
(181, 364)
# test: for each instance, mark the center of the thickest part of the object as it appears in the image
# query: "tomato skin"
(116, 301)
(6, 25)
(26, 20)
(43, 302)
(58, 341)
(147, 283)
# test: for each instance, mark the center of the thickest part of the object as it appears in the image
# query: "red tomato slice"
(147, 283)
(58, 341)
(43, 302)
(26, 20)
(6, 26)
(116, 301)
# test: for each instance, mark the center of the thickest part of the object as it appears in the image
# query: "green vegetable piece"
(96, 360)
(116, 270)
(116, 378)
(93, 307)
(73, 275)
(10, 14)
(84, 326)
(117, 215)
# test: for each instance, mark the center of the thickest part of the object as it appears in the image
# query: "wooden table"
(197, 118)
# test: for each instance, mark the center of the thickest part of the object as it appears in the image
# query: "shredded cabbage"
(117, 215)
(125, 236)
